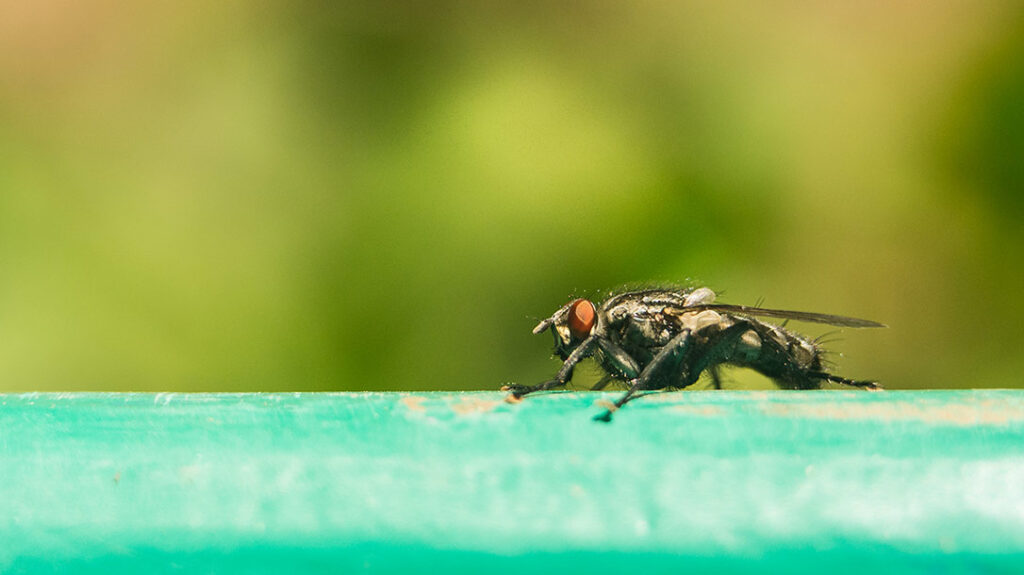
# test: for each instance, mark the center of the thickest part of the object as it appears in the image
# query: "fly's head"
(571, 324)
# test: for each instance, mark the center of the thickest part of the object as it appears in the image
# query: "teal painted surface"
(920, 482)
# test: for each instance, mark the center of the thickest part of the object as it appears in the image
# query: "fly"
(663, 338)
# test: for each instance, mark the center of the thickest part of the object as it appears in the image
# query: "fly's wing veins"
(811, 317)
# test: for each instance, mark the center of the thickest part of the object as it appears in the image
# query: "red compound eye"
(581, 318)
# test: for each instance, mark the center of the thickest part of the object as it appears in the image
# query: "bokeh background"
(347, 196)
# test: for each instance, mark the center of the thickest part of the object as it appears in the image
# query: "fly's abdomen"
(782, 355)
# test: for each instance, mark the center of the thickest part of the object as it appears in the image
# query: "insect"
(665, 338)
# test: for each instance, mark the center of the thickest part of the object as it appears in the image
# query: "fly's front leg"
(667, 360)
(582, 351)
(620, 360)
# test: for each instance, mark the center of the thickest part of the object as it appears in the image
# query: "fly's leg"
(716, 350)
(517, 390)
(673, 354)
(716, 378)
(606, 415)
(619, 359)
(669, 357)
(582, 351)
(868, 385)
(602, 383)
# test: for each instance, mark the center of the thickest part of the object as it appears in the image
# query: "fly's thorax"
(631, 304)
(645, 326)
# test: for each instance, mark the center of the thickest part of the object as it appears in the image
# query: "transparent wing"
(829, 319)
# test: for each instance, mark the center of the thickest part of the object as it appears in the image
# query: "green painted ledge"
(912, 482)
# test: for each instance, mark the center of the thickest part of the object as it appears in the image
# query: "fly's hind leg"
(868, 385)
(717, 350)
(602, 383)
(716, 377)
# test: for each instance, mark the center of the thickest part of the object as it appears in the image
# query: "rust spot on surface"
(679, 405)
(467, 406)
(702, 410)
(973, 413)
(414, 403)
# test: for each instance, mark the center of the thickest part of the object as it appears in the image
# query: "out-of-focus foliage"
(287, 195)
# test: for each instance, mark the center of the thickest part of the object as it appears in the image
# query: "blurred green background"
(345, 196)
